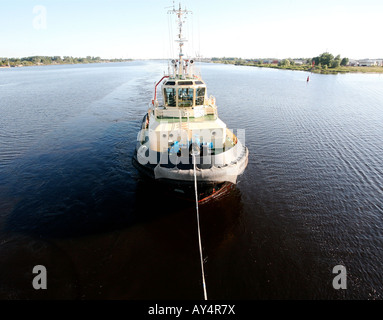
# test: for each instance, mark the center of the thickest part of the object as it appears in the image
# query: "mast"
(181, 40)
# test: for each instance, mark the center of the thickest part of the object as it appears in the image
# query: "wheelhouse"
(184, 93)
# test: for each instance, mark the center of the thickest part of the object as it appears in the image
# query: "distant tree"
(335, 63)
(326, 58)
(36, 60)
(284, 63)
(26, 63)
(344, 62)
(46, 60)
(57, 59)
(68, 59)
(316, 60)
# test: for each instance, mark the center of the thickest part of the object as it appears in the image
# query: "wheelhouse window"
(200, 96)
(170, 97)
(185, 83)
(185, 97)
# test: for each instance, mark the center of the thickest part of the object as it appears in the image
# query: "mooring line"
(199, 229)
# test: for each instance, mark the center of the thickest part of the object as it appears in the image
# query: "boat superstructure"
(186, 119)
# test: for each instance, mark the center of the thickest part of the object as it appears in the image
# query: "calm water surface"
(311, 197)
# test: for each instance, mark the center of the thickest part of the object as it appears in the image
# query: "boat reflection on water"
(221, 214)
(182, 194)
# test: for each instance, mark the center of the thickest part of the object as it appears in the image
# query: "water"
(311, 197)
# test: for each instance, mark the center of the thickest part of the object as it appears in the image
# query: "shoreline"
(20, 65)
(309, 68)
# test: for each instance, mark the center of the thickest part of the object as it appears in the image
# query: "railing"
(196, 112)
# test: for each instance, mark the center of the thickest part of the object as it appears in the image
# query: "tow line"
(196, 151)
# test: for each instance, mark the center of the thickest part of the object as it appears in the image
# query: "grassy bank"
(308, 68)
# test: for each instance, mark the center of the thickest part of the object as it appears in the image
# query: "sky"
(143, 29)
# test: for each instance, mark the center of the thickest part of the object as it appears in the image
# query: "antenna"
(181, 16)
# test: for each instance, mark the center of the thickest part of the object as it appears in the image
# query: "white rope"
(199, 230)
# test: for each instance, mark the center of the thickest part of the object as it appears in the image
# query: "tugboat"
(182, 138)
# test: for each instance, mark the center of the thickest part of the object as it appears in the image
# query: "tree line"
(46, 60)
(327, 59)
(324, 60)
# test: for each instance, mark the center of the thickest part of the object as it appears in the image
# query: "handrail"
(155, 89)
(185, 113)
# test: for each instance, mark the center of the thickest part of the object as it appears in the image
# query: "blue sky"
(241, 28)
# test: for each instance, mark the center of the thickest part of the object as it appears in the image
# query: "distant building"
(368, 62)
(299, 61)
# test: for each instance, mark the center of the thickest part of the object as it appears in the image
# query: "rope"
(199, 229)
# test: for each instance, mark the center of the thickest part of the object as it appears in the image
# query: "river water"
(310, 199)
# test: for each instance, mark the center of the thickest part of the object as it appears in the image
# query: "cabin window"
(185, 83)
(170, 97)
(200, 96)
(185, 97)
